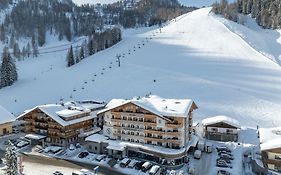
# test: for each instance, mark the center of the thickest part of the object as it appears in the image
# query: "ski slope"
(195, 56)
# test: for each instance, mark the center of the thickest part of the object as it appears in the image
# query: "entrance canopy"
(35, 137)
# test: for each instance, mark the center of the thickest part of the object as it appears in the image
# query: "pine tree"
(10, 161)
(70, 57)
(8, 70)
(82, 54)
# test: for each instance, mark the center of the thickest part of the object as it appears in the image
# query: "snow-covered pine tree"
(70, 57)
(82, 54)
(10, 161)
(8, 70)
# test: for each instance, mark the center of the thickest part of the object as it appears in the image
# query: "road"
(46, 166)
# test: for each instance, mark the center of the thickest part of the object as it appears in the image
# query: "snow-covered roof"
(221, 118)
(5, 116)
(70, 112)
(155, 104)
(52, 111)
(270, 138)
(35, 136)
(96, 138)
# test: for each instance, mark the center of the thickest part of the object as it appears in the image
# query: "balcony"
(115, 119)
(174, 140)
(117, 127)
(149, 123)
(174, 125)
(173, 133)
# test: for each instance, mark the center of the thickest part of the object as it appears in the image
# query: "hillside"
(186, 60)
(194, 3)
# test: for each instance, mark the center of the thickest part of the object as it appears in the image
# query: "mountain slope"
(195, 57)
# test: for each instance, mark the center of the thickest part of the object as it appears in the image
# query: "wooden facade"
(6, 128)
(221, 131)
(272, 159)
(38, 122)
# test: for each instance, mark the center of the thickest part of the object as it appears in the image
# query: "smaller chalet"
(270, 144)
(221, 128)
(6, 120)
(62, 124)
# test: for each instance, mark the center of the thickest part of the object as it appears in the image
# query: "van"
(209, 147)
(201, 145)
(125, 162)
(197, 154)
(191, 170)
(146, 166)
(155, 170)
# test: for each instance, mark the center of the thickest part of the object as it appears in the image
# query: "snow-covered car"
(100, 157)
(125, 162)
(223, 155)
(223, 148)
(223, 172)
(22, 144)
(132, 164)
(197, 154)
(72, 147)
(224, 159)
(222, 163)
(155, 170)
(146, 166)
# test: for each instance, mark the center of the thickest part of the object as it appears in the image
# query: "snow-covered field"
(266, 41)
(194, 57)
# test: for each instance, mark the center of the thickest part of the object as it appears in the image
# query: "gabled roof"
(53, 111)
(5, 116)
(219, 119)
(155, 104)
(270, 138)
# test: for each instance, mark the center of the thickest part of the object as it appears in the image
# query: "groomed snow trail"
(194, 57)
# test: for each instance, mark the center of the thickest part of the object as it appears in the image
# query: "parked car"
(223, 172)
(191, 170)
(197, 154)
(22, 144)
(16, 131)
(201, 145)
(223, 148)
(146, 166)
(209, 147)
(125, 162)
(224, 159)
(111, 162)
(222, 163)
(83, 154)
(132, 164)
(224, 152)
(155, 170)
(226, 156)
(100, 157)
(57, 173)
(139, 165)
(71, 147)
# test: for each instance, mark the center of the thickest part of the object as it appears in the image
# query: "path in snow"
(195, 57)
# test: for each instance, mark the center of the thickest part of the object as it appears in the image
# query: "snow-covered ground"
(266, 41)
(194, 57)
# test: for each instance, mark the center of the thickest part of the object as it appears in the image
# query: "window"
(159, 121)
(96, 148)
(278, 157)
